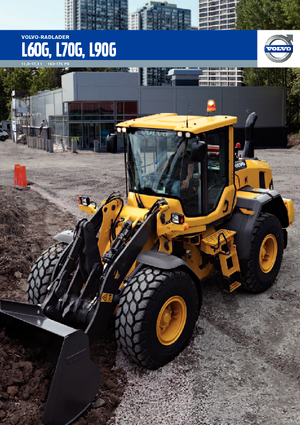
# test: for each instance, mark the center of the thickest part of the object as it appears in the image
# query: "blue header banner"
(128, 48)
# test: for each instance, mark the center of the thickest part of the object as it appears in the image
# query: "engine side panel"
(253, 173)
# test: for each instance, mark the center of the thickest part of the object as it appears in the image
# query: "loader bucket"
(76, 378)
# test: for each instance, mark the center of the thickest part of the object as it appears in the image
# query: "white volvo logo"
(279, 48)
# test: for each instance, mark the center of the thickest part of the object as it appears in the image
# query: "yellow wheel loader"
(193, 207)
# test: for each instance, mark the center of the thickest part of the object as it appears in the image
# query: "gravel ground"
(242, 365)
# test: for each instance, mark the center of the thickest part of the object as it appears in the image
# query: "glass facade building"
(90, 104)
(90, 121)
(96, 14)
(158, 16)
(219, 15)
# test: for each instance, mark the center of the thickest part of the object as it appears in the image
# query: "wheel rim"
(171, 320)
(268, 253)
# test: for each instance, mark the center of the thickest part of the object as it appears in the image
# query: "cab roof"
(191, 123)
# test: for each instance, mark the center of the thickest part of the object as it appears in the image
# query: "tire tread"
(41, 273)
(129, 327)
(248, 276)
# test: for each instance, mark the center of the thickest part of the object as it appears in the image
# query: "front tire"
(156, 316)
(41, 273)
(263, 264)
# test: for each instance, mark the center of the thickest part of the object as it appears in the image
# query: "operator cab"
(162, 163)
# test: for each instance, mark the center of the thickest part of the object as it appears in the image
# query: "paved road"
(243, 364)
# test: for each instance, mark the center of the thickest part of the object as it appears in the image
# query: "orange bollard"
(21, 178)
(16, 176)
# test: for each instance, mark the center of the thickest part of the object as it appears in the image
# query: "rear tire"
(111, 143)
(156, 316)
(41, 273)
(261, 268)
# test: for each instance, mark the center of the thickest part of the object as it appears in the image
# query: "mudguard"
(165, 261)
(67, 236)
(247, 211)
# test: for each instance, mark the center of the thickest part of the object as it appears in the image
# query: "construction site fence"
(40, 143)
(47, 144)
(61, 144)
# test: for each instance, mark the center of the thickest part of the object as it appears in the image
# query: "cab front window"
(159, 164)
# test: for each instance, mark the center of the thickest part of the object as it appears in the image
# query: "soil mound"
(28, 223)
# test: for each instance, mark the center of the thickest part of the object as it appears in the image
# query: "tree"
(273, 15)
(291, 9)
(46, 79)
(260, 15)
(4, 98)
(18, 79)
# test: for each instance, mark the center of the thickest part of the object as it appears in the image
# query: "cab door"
(218, 190)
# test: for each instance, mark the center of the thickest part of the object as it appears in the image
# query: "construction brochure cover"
(219, 48)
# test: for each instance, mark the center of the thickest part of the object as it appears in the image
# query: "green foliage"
(4, 115)
(46, 79)
(32, 80)
(291, 9)
(272, 15)
(18, 79)
(12, 79)
(295, 90)
(260, 15)
(268, 14)
(267, 77)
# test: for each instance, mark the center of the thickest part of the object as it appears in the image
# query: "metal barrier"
(96, 146)
(74, 144)
(50, 144)
(40, 143)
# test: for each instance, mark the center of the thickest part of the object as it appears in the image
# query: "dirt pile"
(293, 141)
(28, 223)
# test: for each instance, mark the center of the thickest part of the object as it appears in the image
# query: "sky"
(37, 15)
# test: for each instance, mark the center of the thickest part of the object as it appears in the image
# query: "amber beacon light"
(211, 105)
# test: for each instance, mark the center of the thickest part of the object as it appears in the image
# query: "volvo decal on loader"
(193, 207)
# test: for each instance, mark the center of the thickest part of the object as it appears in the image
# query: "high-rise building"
(155, 15)
(134, 21)
(219, 15)
(96, 14)
(70, 14)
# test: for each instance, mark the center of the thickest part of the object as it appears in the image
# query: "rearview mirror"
(198, 151)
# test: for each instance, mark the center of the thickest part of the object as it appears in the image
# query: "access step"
(221, 243)
(215, 242)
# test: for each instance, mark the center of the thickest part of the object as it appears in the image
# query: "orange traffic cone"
(17, 172)
(20, 178)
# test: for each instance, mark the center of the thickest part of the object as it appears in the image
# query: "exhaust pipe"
(249, 136)
(76, 379)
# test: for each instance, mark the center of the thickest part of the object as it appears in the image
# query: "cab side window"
(217, 170)
(191, 196)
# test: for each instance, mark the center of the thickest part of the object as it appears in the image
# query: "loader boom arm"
(87, 297)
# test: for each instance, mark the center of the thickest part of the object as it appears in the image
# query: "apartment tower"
(156, 15)
(96, 14)
(219, 15)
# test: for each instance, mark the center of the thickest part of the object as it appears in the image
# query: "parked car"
(3, 135)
